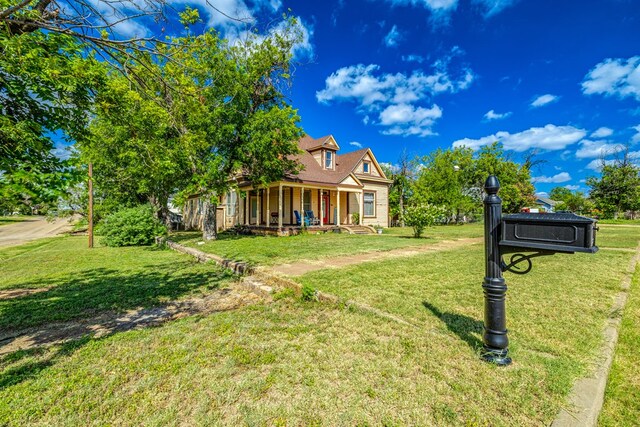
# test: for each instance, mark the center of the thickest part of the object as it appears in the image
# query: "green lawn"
(4, 220)
(622, 396)
(294, 363)
(270, 250)
(84, 281)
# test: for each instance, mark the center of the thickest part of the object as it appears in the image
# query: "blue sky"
(559, 77)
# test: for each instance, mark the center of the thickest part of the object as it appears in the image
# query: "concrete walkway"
(303, 267)
(33, 228)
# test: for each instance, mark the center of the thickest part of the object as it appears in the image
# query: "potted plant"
(378, 228)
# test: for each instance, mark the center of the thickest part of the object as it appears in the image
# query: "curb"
(587, 395)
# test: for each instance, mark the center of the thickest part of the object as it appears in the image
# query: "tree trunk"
(401, 206)
(210, 226)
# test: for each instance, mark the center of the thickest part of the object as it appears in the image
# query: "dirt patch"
(17, 293)
(303, 267)
(108, 323)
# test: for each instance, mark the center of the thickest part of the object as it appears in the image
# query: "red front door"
(325, 209)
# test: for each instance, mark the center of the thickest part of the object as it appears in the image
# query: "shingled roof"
(313, 171)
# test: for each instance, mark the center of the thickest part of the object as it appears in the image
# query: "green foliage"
(454, 179)
(189, 16)
(618, 188)
(46, 89)
(309, 293)
(570, 201)
(355, 218)
(131, 227)
(422, 216)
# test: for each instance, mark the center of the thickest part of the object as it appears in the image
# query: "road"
(33, 228)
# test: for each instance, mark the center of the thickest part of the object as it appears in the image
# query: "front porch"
(284, 208)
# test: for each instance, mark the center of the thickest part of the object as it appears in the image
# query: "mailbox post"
(495, 338)
(536, 234)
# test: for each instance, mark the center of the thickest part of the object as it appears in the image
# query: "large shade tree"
(617, 190)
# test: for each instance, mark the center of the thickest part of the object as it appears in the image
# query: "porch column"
(247, 201)
(361, 207)
(338, 209)
(268, 206)
(259, 213)
(280, 206)
(321, 200)
(301, 211)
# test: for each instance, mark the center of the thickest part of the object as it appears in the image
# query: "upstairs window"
(366, 167)
(328, 162)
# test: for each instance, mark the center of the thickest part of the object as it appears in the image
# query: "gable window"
(328, 161)
(366, 167)
(369, 204)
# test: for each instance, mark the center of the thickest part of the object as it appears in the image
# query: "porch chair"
(298, 220)
(309, 216)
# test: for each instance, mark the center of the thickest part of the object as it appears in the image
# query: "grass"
(303, 363)
(269, 250)
(622, 396)
(81, 282)
(4, 220)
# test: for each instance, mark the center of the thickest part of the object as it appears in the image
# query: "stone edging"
(587, 395)
(266, 280)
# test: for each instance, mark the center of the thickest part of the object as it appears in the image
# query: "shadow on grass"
(98, 290)
(463, 326)
(17, 374)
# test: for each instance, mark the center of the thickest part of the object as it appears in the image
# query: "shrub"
(309, 294)
(355, 218)
(422, 216)
(131, 227)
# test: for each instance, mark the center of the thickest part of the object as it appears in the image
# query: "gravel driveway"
(33, 228)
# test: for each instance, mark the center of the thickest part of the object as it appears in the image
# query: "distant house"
(547, 204)
(327, 193)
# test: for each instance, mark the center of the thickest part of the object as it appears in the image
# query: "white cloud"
(602, 132)
(413, 58)
(542, 194)
(555, 179)
(550, 138)
(393, 37)
(543, 100)
(402, 102)
(364, 85)
(355, 144)
(492, 115)
(572, 187)
(591, 149)
(636, 138)
(407, 120)
(596, 164)
(614, 77)
(493, 7)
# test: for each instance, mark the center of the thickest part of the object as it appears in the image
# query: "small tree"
(422, 216)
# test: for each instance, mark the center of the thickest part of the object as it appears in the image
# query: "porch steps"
(358, 229)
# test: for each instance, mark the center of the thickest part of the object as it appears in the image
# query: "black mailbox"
(555, 232)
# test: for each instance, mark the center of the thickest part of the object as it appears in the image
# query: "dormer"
(324, 151)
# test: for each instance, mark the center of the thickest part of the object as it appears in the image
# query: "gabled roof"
(313, 171)
(310, 144)
(547, 201)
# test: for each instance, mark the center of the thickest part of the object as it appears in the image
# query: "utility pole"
(90, 216)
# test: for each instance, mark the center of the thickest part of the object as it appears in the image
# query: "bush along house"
(339, 192)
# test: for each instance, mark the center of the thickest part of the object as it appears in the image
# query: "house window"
(366, 167)
(328, 163)
(232, 200)
(369, 204)
(306, 204)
